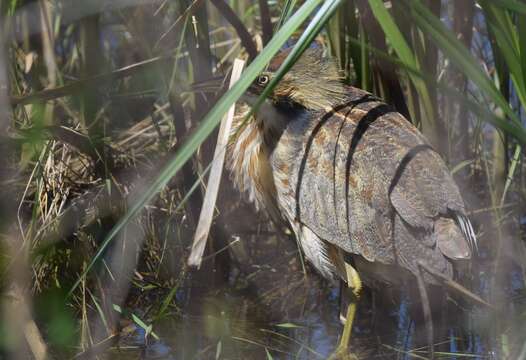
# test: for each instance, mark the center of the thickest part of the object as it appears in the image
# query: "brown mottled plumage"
(349, 174)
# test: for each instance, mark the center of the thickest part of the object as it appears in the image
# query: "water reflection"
(267, 309)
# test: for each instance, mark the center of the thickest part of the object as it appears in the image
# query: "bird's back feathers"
(352, 176)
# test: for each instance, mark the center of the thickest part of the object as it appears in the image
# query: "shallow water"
(268, 308)
(260, 303)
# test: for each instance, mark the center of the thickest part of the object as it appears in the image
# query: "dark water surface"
(268, 308)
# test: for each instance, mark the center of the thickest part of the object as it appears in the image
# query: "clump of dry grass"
(67, 196)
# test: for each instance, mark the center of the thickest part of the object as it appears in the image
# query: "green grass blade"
(508, 42)
(513, 166)
(139, 322)
(404, 52)
(513, 129)
(286, 11)
(513, 5)
(461, 56)
(269, 357)
(521, 29)
(393, 33)
(208, 124)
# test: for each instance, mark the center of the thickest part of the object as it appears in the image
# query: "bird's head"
(313, 83)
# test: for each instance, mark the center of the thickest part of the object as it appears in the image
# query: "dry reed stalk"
(207, 210)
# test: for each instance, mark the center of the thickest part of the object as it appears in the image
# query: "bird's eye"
(263, 79)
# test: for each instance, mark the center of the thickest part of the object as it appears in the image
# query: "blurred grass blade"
(511, 172)
(521, 30)
(513, 5)
(366, 81)
(507, 41)
(74, 87)
(269, 357)
(208, 124)
(345, 24)
(286, 11)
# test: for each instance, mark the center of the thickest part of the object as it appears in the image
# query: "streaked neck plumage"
(313, 84)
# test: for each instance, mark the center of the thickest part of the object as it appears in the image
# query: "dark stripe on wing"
(461, 220)
(358, 134)
(394, 181)
(352, 103)
(344, 121)
(403, 164)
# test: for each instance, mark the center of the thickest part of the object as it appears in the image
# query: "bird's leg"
(355, 284)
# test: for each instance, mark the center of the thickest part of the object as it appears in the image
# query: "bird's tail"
(455, 237)
(467, 230)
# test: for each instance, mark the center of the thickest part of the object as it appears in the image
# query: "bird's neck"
(249, 152)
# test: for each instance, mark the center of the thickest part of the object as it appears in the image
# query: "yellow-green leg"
(355, 284)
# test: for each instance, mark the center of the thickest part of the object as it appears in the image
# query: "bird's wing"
(333, 173)
(332, 183)
(426, 197)
(422, 189)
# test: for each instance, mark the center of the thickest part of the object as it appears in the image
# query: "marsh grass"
(106, 146)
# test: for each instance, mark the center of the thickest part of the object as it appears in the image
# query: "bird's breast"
(248, 159)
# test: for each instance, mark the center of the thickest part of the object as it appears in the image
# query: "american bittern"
(358, 184)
